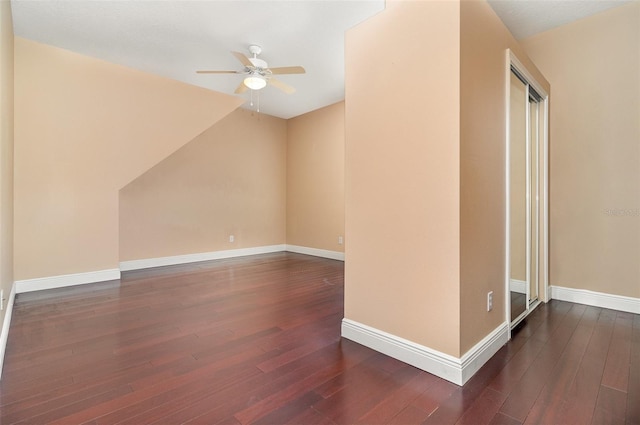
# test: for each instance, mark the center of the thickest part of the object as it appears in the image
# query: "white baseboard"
(316, 252)
(596, 299)
(231, 253)
(519, 286)
(195, 258)
(453, 369)
(51, 282)
(480, 353)
(4, 335)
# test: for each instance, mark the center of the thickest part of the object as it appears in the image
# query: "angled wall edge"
(445, 366)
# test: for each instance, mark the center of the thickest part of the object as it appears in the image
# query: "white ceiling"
(174, 38)
(525, 18)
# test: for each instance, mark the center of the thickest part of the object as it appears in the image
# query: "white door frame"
(512, 61)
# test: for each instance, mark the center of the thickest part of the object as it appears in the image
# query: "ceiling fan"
(258, 74)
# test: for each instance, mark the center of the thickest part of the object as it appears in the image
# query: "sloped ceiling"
(174, 38)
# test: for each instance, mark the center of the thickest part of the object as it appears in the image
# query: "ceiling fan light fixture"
(255, 82)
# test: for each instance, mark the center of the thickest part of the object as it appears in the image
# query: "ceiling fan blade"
(288, 70)
(242, 58)
(282, 86)
(216, 72)
(241, 88)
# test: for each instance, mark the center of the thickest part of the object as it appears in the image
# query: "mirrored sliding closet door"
(526, 197)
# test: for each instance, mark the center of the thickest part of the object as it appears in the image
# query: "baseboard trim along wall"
(196, 258)
(4, 335)
(52, 282)
(596, 299)
(316, 252)
(519, 286)
(453, 369)
(231, 253)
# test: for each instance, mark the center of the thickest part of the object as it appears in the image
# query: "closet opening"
(526, 272)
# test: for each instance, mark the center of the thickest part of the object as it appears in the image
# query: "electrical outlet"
(232, 238)
(490, 301)
(340, 240)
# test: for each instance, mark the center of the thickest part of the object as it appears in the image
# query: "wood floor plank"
(409, 415)
(50, 413)
(397, 401)
(616, 372)
(289, 411)
(512, 373)
(484, 409)
(358, 394)
(521, 400)
(430, 400)
(313, 375)
(312, 417)
(138, 402)
(257, 340)
(162, 404)
(502, 419)
(271, 388)
(549, 406)
(612, 402)
(580, 400)
(633, 394)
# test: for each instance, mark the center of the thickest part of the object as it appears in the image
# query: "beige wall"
(84, 128)
(6, 154)
(425, 170)
(594, 66)
(315, 178)
(230, 180)
(483, 42)
(402, 173)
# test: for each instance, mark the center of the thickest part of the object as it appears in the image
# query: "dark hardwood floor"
(257, 340)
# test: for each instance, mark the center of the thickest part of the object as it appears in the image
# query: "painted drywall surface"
(402, 173)
(6, 152)
(230, 180)
(315, 178)
(483, 43)
(84, 128)
(594, 67)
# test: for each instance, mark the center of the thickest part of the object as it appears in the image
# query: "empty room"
(320, 212)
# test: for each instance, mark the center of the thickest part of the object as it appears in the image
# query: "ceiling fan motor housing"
(258, 63)
(254, 49)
